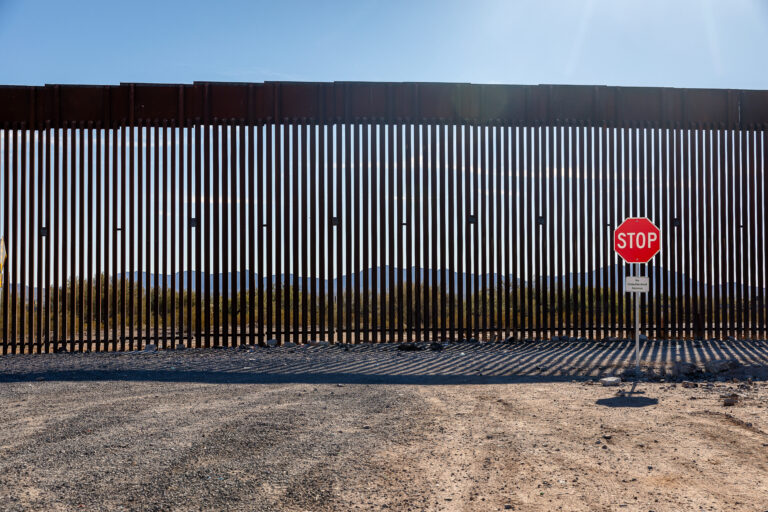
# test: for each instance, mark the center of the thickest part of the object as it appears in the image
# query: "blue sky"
(656, 43)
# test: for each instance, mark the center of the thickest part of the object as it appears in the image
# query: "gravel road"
(483, 427)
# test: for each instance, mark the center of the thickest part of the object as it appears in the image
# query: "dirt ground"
(92, 432)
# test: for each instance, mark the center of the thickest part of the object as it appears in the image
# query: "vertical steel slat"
(47, 281)
(449, 231)
(366, 171)
(703, 230)
(329, 171)
(256, 231)
(15, 246)
(433, 303)
(244, 237)
(485, 162)
(590, 231)
(720, 267)
(687, 233)
(696, 226)
(528, 286)
(763, 229)
(733, 230)
(57, 252)
(25, 221)
(229, 155)
(97, 236)
(764, 263)
(110, 219)
(742, 237)
(322, 170)
(496, 220)
(460, 171)
(156, 269)
(8, 279)
(71, 248)
(304, 224)
(549, 223)
(83, 136)
(221, 229)
(515, 205)
(712, 233)
(167, 254)
(567, 217)
(584, 170)
(658, 213)
(208, 198)
(507, 228)
(294, 225)
(683, 225)
(22, 240)
(270, 222)
(89, 242)
(391, 262)
(39, 136)
(674, 233)
(286, 169)
(162, 217)
(493, 227)
(605, 288)
(612, 217)
(145, 187)
(666, 225)
(399, 230)
(350, 228)
(442, 221)
(679, 209)
(753, 232)
(177, 211)
(127, 166)
(438, 256)
(198, 230)
(640, 175)
(340, 220)
(376, 216)
(418, 225)
(361, 229)
(619, 215)
(215, 227)
(475, 221)
(539, 154)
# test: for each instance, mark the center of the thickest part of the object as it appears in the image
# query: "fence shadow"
(458, 363)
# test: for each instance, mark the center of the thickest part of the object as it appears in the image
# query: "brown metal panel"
(435, 102)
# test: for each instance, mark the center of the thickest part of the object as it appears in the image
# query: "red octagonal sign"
(637, 240)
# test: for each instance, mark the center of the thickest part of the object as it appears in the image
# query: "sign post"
(637, 240)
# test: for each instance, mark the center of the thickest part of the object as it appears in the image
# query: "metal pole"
(637, 323)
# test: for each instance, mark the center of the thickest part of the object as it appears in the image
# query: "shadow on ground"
(458, 363)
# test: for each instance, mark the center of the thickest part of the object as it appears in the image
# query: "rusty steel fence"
(217, 214)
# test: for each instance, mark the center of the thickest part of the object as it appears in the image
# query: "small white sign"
(637, 284)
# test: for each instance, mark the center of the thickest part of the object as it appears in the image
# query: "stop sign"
(637, 240)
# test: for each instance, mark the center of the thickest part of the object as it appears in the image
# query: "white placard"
(637, 284)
